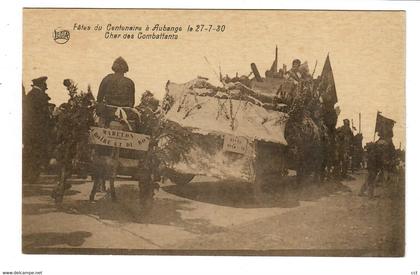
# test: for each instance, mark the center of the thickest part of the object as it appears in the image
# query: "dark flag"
(384, 126)
(327, 84)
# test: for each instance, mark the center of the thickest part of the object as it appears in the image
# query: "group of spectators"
(62, 133)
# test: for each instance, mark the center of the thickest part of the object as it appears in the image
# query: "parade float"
(248, 129)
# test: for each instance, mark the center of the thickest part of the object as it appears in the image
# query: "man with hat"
(380, 158)
(36, 130)
(344, 138)
(118, 91)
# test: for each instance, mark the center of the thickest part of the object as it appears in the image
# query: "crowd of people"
(311, 131)
(379, 157)
(62, 133)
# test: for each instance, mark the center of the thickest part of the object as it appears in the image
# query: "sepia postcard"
(213, 132)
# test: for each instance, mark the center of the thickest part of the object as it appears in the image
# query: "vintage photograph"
(213, 132)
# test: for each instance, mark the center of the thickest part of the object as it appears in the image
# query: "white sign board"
(119, 139)
(235, 144)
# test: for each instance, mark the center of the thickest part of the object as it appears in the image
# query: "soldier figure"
(373, 167)
(380, 157)
(36, 130)
(294, 72)
(116, 89)
(357, 152)
(389, 158)
(344, 140)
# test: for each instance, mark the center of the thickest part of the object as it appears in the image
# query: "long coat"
(37, 126)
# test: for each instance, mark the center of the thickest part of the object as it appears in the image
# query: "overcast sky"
(367, 52)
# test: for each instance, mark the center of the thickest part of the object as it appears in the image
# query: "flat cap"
(39, 80)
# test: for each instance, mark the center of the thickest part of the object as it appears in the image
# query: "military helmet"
(296, 62)
(120, 65)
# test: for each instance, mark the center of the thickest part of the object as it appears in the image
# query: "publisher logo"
(61, 36)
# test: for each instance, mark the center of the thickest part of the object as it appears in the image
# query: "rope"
(122, 114)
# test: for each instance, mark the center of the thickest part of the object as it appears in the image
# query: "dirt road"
(206, 215)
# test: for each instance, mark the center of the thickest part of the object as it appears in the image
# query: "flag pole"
(316, 63)
(376, 122)
(360, 123)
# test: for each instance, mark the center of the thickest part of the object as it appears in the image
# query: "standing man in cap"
(36, 130)
(344, 142)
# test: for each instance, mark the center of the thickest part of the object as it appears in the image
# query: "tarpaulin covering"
(210, 114)
(224, 131)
